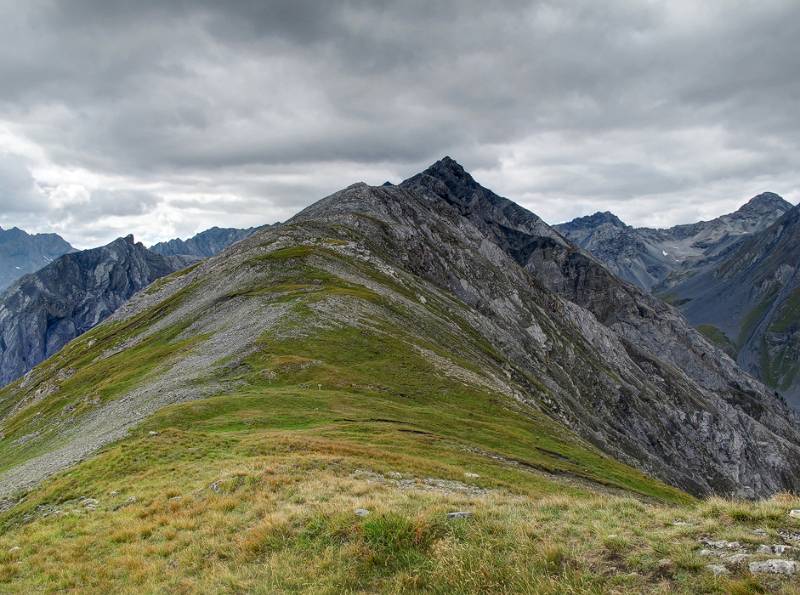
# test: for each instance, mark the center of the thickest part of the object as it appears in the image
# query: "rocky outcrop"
(43, 311)
(205, 244)
(22, 253)
(640, 319)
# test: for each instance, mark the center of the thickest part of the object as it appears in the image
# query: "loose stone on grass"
(460, 514)
(774, 566)
(779, 549)
(717, 569)
(737, 558)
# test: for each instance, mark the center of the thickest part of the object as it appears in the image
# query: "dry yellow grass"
(285, 522)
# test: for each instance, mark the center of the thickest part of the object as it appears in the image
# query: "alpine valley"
(420, 387)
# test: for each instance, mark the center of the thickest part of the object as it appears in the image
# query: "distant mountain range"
(22, 253)
(735, 278)
(748, 302)
(204, 244)
(649, 257)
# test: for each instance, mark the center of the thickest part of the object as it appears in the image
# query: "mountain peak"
(123, 241)
(446, 178)
(766, 201)
(594, 220)
(448, 167)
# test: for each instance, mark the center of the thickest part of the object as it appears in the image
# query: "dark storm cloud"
(596, 104)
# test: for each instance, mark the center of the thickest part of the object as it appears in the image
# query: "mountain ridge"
(205, 243)
(651, 257)
(559, 334)
(384, 394)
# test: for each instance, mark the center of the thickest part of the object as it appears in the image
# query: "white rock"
(736, 558)
(361, 512)
(460, 514)
(471, 475)
(721, 544)
(152, 433)
(778, 548)
(717, 569)
(774, 567)
(795, 514)
(708, 553)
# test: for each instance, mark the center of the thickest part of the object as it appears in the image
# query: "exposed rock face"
(651, 257)
(21, 253)
(691, 415)
(43, 311)
(539, 323)
(641, 320)
(749, 301)
(206, 243)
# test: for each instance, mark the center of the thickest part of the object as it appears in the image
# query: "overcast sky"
(162, 118)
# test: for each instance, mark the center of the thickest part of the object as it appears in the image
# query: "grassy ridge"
(255, 489)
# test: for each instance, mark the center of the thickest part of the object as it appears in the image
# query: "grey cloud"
(114, 203)
(18, 190)
(597, 102)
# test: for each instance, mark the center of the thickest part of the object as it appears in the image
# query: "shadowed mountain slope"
(640, 320)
